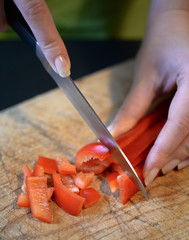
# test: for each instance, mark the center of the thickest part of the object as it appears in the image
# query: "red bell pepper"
(91, 196)
(93, 157)
(67, 169)
(135, 148)
(116, 168)
(141, 158)
(155, 116)
(67, 200)
(126, 187)
(68, 182)
(50, 191)
(37, 194)
(49, 165)
(23, 200)
(112, 181)
(82, 180)
(60, 160)
(27, 173)
(95, 166)
(38, 171)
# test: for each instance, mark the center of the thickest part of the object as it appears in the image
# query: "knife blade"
(73, 93)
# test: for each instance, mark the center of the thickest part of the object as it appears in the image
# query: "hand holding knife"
(69, 88)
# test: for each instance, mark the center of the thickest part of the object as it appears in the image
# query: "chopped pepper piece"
(93, 157)
(112, 181)
(37, 194)
(66, 199)
(82, 180)
(27, 173)
(49, 165)
(126, 187)
(38, 171)
(91, 196)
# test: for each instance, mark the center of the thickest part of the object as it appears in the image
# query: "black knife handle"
(18, 23)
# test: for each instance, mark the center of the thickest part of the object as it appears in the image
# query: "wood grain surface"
(49, 125)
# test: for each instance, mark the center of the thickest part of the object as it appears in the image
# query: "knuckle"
(49, 44)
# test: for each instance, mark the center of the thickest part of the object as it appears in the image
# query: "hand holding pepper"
(162, 64)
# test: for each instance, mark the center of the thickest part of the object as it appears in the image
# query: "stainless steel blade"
(86, 111)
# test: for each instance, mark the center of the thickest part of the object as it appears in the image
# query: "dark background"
(22, 75)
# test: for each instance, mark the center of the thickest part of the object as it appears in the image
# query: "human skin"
(162, 64)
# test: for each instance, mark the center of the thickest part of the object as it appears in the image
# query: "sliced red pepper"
(116, 168)
(27, 173)
(134, 149)
(23, 200)
(141, 157)
(37, 194)
(95, 166)
(93, 157)
(67, 200)
(155, 116)
(112, 181)
(60, 160)
(49, 165)
(91, 196)
(68, 182)
(67, 169)
(38, 171)
(82, 180)
(126, 187)
(134, 162)
(50, 191)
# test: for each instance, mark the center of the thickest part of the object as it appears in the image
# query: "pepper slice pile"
(67, 185)
(70, 184)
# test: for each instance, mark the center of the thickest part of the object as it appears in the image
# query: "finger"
(180, 154)
(136, 103)
(39, 18)
(173, 133)
(3, 20)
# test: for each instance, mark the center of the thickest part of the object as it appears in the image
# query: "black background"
(22, 75)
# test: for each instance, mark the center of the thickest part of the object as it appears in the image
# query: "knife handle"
(18, 23)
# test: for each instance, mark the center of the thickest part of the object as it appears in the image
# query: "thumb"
(39, 18)
(135, 105)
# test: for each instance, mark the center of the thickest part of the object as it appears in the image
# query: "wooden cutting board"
(48, 125)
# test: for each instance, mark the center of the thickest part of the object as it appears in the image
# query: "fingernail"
(62, 66)
(183, 164)
(170, 166)
(151, 175)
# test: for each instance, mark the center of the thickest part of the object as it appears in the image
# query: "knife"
(17, 22)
